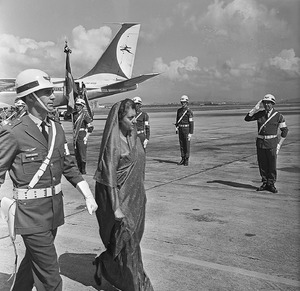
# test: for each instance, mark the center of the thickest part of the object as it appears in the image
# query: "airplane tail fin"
(118, 58)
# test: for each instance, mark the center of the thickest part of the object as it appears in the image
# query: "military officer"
(142, 122)
(267, 143)
(185, 128)
(83, 127)
(33, 149)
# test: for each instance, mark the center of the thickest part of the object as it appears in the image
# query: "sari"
(120, 181)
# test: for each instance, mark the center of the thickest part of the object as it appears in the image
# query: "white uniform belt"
(140, 131)
(266, 136)
(82, 129)
(184, 125)
(36, 193)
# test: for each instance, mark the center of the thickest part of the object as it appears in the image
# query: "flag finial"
(67, 50)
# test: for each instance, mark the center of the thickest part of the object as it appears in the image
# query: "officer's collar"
(37, 121)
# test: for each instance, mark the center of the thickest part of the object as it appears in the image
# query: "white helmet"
(80, 101)
(32, 80)
(184, 98)
(269, 97)
(19, 103)
(137, 100)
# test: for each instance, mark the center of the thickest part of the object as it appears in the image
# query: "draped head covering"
(110, 149)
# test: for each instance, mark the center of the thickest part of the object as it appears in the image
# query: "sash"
(8, 205)
(267, 121)
(77, 125)
(138, 115)
(180, 118)
(45, 163)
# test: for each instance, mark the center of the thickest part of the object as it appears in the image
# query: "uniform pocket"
(31, 162)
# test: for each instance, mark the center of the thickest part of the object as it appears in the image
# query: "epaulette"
(14, 122)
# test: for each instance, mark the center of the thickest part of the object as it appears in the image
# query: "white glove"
(189, 136)
(119, 214)
(256, 108)
(84, 189)
(85, 139)
(145, 143)
(277, 149)
(279, 144)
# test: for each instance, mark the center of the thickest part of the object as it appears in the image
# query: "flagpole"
(70, 88)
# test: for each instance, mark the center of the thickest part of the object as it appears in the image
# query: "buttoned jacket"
(22, 150)
(271, 127)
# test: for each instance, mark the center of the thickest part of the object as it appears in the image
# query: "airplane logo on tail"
(126, 48)
(112, 74)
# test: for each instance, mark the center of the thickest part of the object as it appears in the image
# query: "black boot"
(262, 187)
(181, 162)
(272, 188)
(83, 171)
(186, 162)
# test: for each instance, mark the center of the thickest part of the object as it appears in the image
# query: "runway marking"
(199, 172)
(192, 261)
(223, 268)
(207, 169)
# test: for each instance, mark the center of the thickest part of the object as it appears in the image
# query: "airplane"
(112, 74)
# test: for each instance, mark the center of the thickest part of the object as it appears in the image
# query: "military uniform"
(266, 142)
(143, 126)
(185, 127)
(82, 126)
(23, 149)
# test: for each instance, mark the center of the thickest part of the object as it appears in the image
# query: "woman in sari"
(121, 197)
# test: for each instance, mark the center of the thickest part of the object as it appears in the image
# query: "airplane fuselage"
(112, 74)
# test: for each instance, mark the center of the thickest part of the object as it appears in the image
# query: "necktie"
(44, 132)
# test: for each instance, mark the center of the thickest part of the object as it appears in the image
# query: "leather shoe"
(186, 162)
(262, 187)
(272, 189)
(181, 162)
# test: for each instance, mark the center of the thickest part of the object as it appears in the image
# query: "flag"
(88, 107)
(69, 88)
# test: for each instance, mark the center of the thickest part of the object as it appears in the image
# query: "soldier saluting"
(33, 149)
(185, 129)
(267, 144)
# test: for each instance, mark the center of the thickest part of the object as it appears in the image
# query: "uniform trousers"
(80, 151)
(40, 261)
(142, 137)
(184, 143)
(267, 165)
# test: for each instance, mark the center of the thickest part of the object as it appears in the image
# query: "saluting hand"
(256, 108)
(258, 105)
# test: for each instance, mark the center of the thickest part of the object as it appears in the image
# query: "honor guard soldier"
(21, 108)
(33, 149)
(185, 128)
(83, 127)
(267, 143)
(142, 122)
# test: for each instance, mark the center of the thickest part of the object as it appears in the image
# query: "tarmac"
(207, 228)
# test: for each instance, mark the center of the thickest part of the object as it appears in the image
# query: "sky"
(210, 50)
